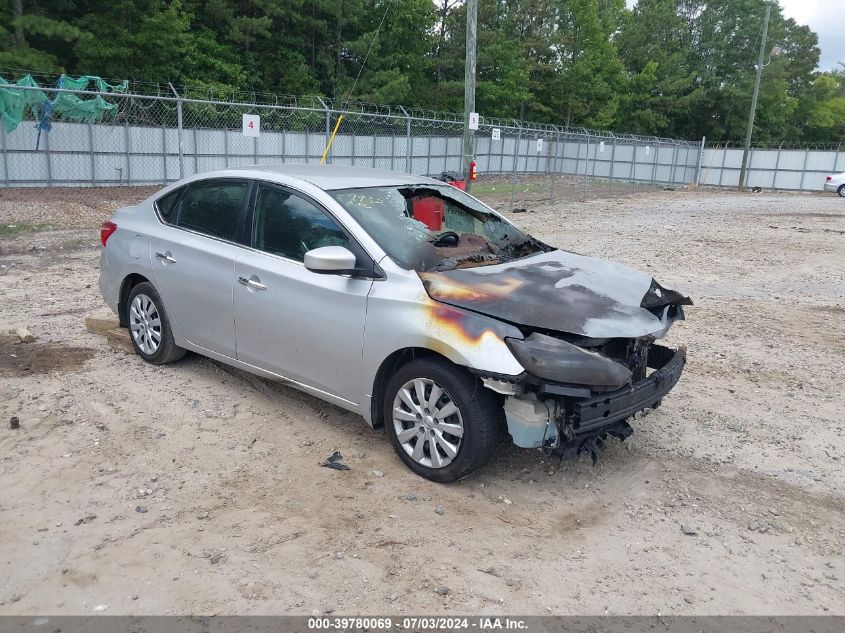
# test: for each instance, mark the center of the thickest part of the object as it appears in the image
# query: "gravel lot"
(192, 488)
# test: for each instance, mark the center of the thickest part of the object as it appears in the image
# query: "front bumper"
(589, 415)
(559, 418)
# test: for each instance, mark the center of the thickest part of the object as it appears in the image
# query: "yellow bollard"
(331, 140)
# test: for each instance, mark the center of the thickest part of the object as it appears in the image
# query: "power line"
(363, 63)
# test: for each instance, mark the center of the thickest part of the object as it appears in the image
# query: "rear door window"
(166, 205)
(213, 207)
(289, 225)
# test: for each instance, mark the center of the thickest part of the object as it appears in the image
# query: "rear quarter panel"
(127, 251)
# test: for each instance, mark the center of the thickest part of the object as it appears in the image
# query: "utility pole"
(750, 129)
(469, 85)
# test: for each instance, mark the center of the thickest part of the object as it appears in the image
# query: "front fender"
(401, 316)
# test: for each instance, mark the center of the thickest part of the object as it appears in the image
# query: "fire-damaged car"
(398, 297)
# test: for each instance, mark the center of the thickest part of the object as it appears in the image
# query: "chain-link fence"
(785, 167)
(155, 139)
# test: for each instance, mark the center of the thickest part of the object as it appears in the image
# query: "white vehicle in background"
(836, 182)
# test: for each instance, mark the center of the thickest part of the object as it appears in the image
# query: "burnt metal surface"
(619, 405)
(563, 292)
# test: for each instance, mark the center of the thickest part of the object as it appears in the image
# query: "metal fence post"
(5, 157)
(407, 140)
(128, 153)
(328, 131)
(49, 160)
(178, 135)
(91, 151)
(196, 151)
(777, 165)
(722, 166)
(255, 148)
(674, 163)
(577, 156)
(804, 168)
(700, 159)
(563, 151)
(515, 160)
(654, 164)
(164, 153)
(749, 168)
(225, 146)
(612, 163)
(586, 165)
(554, 166)
(632, 172)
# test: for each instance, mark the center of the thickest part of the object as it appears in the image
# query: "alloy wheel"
(427, 422)
(145, 324)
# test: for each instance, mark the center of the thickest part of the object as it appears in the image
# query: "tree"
(156, 46)
(680, 68)
(34, 40)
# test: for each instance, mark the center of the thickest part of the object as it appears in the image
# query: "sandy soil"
(192, 488)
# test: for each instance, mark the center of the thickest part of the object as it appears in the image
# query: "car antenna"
(355, 83)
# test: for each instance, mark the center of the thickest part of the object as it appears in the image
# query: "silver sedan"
(836, 183)
(397, 297)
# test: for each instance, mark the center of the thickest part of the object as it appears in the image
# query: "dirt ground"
(192, 488)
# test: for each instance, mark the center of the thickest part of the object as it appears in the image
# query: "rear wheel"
(149, 328)
(841, 191)
(442, 423)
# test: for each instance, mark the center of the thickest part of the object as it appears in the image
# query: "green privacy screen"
(14, 102)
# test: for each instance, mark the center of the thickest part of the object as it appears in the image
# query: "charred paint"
(452, 331)
(564, 292)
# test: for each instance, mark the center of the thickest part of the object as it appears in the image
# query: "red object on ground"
(459, 184)
(106, 229)
(430, 211)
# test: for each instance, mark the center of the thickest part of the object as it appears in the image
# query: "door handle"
(253, 282)
(166, 257)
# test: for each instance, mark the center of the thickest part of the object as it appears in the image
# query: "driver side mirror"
(331, 260)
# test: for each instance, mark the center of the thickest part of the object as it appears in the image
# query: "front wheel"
(442, 423)
(841, 191)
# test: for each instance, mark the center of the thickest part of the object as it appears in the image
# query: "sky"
(825, 18)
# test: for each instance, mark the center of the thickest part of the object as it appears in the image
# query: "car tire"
(841, 191)
(149, 327)
(415, 429)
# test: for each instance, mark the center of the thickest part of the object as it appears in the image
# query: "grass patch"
(8, 229)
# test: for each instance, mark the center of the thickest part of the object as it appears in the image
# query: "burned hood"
(564, 292)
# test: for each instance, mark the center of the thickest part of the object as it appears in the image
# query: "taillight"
(106, 229)
(472, 174)
(829, 178)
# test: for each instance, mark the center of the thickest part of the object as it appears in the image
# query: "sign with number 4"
(251, 124)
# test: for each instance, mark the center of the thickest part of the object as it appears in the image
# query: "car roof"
(330, 177)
